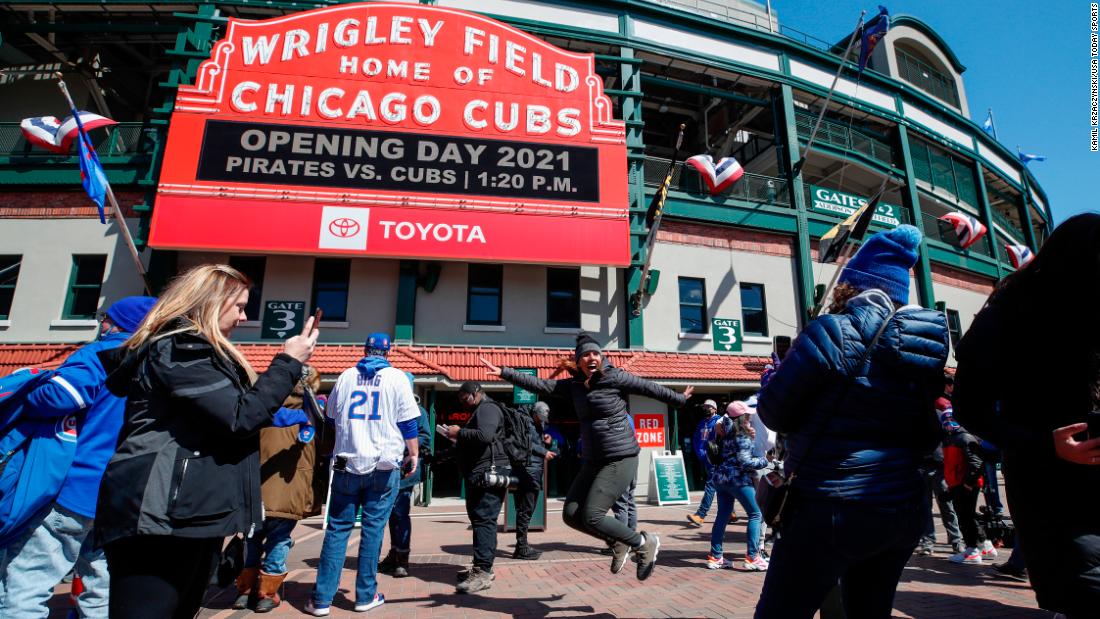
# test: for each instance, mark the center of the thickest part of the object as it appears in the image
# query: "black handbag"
(774, 502)
(231, 563)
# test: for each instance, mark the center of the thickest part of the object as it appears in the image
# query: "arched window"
(923, 70)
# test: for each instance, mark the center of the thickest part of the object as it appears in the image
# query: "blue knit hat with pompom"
(883, 263)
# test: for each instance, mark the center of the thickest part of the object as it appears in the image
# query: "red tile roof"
(15, 356)
(454, 363)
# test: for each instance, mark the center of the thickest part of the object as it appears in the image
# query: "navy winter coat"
(880, 426)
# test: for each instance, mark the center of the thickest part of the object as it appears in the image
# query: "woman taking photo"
(855, 398)
(186, 473)
(734, 479)
(1028, 377)
(598, 392)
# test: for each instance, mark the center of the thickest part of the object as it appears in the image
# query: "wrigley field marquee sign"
(394, 130)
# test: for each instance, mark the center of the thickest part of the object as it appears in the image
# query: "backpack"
(514, 435)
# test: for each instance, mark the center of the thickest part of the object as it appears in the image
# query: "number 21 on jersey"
(361, 398)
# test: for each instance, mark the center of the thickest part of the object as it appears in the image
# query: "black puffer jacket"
(188, 460)
(601, 406)
(1015, 393)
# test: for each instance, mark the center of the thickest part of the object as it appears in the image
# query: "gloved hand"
(289, 417)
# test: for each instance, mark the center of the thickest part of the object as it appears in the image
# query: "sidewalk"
(573, 580)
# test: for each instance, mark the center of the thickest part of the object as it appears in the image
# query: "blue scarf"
(369, 366)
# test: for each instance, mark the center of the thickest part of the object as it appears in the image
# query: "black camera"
(494, 479)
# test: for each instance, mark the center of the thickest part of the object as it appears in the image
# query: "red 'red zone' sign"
(650, 430)
(395, 130)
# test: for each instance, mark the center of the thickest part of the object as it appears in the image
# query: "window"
(954, 327)
(253, 268)
(483, 294)
(84, 286)
(754, 312)
(330, 287)
(563, 298)
(9, 273)
(693, 305)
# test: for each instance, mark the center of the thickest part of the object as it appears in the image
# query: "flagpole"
(992, 123)
(123, 228)
(651, 238)
(828, 97)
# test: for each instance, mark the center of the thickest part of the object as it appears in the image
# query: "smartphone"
(441, 429)
(1094, 424)
(317, 317)
(781, 344)
(340, 463)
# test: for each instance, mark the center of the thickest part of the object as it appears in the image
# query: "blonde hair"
(197, 297)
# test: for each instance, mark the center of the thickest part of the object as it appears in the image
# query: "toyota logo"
(344, 227)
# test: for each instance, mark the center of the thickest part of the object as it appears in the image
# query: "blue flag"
(873, 31)
(1025, 157)
(987, 126)
(91, 171)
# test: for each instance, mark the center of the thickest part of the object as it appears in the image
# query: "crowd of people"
(180, 445)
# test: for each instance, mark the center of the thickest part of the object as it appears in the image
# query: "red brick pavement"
(572, 580)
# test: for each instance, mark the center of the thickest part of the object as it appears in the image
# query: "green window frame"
(754, 310)
(253, 267)
(331, 277)
(563, 298)
(9, 277)
(484, 294)
(85, 286)
(693, 305)
(954, 327)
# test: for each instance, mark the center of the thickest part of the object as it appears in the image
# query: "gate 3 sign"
(396, 130)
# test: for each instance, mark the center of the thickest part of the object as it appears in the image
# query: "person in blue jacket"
(58, 538)
(857, 429)
(703, 432)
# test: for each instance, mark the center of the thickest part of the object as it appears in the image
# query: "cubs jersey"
(366, 410)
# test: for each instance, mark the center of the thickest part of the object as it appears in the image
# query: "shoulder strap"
(847, 385)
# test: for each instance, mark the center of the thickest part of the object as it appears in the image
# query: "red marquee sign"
(395, 130)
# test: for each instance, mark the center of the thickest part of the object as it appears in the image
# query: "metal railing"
(1008, 226)
(752, 187)
(924, 77)
(123, 139)
(839, 135)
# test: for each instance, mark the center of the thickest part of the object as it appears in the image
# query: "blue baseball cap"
(378, 344)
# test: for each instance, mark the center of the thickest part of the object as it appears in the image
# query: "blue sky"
(1028, 61)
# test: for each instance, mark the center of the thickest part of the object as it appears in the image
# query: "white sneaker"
(756, 564)
(316, 611)
(988, 551)
(378, 600)
(970, 556)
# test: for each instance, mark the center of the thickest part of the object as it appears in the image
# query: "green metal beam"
(635, 146)
(405, 320)
(911, 199)
(786, 126)
(987, 214)
(1025, 216)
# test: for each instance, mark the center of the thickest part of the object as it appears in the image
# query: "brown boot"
(246, 583)
(269, 591)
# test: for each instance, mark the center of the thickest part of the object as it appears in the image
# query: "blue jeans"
(400, 522)
(993, 489)
(273, 543)
(746, 496)
(57, 541)
(862, 545)
(374, 493)
(708, 492)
